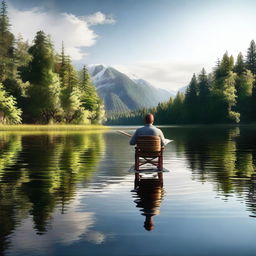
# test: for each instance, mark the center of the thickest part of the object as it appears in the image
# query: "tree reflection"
(39, 173)
(224, 156)
(12, 203)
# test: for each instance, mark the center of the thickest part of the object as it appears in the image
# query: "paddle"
(124, 133)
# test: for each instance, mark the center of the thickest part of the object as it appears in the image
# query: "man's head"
(149, 119)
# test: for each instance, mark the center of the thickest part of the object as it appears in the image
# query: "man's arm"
(163, 140)
(134, 138)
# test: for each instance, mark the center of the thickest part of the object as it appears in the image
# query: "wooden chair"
(149, 150)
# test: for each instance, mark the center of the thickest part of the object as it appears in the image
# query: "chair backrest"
(149, 143)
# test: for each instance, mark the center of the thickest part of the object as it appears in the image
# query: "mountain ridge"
(121, 93)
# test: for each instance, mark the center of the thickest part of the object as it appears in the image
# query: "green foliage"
(227, 95)
(9, 113)
(61, 160)
(6, 45)
(73, 112)
(244, 87)
(45, 85)
(251, 57)
(191, 100)
(240, 66)
(44, 90)
(89, 97)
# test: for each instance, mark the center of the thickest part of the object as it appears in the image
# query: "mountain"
(183, 89)
(121, 93)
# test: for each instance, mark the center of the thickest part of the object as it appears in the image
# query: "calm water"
(71, 194)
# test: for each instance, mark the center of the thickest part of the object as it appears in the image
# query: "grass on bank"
(52, 127)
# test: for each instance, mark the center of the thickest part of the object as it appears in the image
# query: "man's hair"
(149, 118)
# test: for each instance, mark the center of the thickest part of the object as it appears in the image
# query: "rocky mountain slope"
(121, 93)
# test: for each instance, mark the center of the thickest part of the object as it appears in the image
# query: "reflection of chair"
(149, 195)
(149, 150)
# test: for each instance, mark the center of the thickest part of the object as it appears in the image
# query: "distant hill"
(122, 93)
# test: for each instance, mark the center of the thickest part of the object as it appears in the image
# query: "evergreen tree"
(12, 57)
(22, 56)
(191, 100)
(226, 65)
(44, 90)
(251, 57)
(177, 109)
(203, 97)
(240, 65)
(73, 112)
(89, 94)
(203, 86)
(162, 112)
(14, 84)
(89, 97)
(244, 86)
(6, 45)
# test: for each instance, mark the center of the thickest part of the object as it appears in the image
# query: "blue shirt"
(148, 130)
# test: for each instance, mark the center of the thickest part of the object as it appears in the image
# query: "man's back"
(147, 130)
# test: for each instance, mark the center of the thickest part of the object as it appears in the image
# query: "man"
(148, 129)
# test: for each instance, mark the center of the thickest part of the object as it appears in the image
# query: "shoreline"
(52, 127)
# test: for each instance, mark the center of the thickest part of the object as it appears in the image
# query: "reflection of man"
(148, 130)
(149, 197)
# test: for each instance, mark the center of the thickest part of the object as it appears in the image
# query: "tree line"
(38, 85)
(226, 95)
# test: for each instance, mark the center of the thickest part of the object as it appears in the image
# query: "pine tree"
(70, 95)
(177, 110)
(191, 100)
(89, 97)
(6, 45)
(203, 86)
(226, 65)
(251, 57)
(240, 65)
(203, 97)
(14, 84)
(44, 90)
(22, 56)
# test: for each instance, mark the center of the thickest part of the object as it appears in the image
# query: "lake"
(72, 194)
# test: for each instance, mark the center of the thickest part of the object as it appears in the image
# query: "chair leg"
(160, 177)
(161, 160)
(136, 180)
(160, 163)
(136, 162)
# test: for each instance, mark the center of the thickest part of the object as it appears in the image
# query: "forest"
(40, 86)
(226, 95)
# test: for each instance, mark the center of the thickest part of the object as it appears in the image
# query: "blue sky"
(162, 41)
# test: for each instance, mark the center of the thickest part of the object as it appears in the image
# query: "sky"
(161, 41)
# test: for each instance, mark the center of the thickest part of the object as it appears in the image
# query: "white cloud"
(66, 229)
(167, 75)
(74, 31)
(99, 18)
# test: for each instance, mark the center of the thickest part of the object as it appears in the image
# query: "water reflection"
(39, 174)
(51, 183)
(149, 195)
(224, 156)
